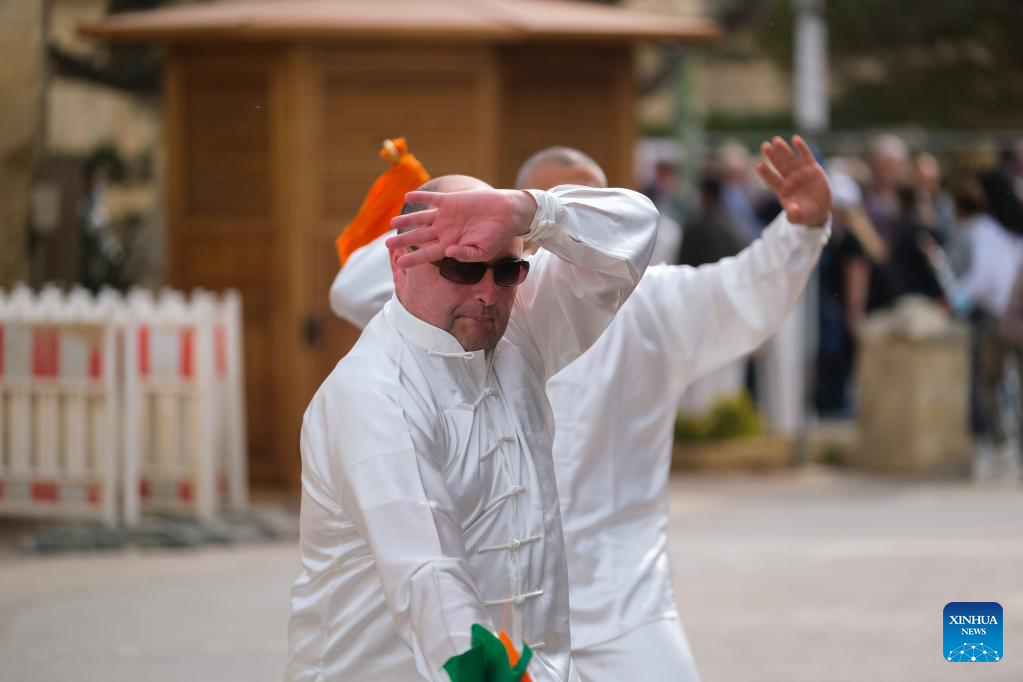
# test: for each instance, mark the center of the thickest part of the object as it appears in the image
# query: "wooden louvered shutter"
(441, 99)
(222, 205)
(576, 97)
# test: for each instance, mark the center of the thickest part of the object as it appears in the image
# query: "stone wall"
(22, 77)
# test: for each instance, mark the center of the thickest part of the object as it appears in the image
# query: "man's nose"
(485, 290)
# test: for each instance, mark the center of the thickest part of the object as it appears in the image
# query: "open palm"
(798, 180)
(473, 225)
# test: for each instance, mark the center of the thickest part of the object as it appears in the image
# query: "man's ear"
(392, 256)
(397, 272)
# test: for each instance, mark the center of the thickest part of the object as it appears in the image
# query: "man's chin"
(474, 342)
(475, 335)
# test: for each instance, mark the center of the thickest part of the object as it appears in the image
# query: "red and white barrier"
(184, 408)
(58, 406)
(110, 407)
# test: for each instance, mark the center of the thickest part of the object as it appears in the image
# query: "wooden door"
(223, 216)
(441, 99)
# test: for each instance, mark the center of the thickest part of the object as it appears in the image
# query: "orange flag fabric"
(384, 200)
(513, 653)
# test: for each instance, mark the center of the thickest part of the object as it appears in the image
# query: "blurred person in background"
(889, 165)
(1003, 189)
(1012, 329)
(853, 281)
(844, 282)
(739, 194)
(983, 294)
(712, 234)
(613, 447)
(911, 272)
(1012, 321)
(665, 190)
(935, 208)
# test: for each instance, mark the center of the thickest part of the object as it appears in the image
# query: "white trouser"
(655, 652)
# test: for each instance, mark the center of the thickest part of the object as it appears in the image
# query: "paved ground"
(814, 578)
(806, 576)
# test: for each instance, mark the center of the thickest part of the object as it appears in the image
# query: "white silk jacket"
(615, 408)
(428, 487)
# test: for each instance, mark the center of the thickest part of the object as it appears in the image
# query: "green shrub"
(734, 417)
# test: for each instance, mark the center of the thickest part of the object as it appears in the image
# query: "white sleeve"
(363, 450)
(364, 284)
(595, 246)
(721, 311)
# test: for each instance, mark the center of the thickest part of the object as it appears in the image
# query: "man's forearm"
(596, 227)
(596, 246)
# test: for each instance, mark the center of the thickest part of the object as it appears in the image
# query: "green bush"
(734, 417)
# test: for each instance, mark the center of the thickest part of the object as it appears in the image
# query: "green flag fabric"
(487, 660)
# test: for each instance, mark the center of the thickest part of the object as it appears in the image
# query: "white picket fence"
(114, 406)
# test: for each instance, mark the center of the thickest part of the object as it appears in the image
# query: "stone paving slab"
(814, 577)
(808, 576)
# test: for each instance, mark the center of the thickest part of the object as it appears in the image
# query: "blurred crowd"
(903, 225)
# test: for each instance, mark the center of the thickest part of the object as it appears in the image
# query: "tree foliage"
(936, 63)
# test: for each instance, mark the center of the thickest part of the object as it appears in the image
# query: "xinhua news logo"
(973, 632)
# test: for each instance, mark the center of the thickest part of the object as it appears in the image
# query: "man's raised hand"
(798, 180)
(474, 225)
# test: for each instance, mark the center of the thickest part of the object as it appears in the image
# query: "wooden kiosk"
(275, 110)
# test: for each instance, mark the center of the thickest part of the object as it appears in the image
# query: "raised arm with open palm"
(798, 180)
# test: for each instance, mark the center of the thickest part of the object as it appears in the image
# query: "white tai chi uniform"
(429, 500)
(615, 409)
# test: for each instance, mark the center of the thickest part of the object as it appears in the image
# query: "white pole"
(811, 116)
(19, 382)
(106, 458)
(236, 436)
(20, 416)
(811, 55)
(788, 350)
(76, 342)
(131, 414)
(206, 408)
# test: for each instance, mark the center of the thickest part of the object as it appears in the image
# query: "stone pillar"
(913, 375)
(22, 74)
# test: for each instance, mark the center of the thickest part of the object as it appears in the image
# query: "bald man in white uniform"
(614, 407)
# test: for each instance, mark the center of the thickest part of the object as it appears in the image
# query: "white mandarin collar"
(423, 334)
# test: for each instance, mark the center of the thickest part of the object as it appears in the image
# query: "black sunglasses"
(507, 273)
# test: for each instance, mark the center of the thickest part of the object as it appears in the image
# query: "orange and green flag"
(490, 659)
